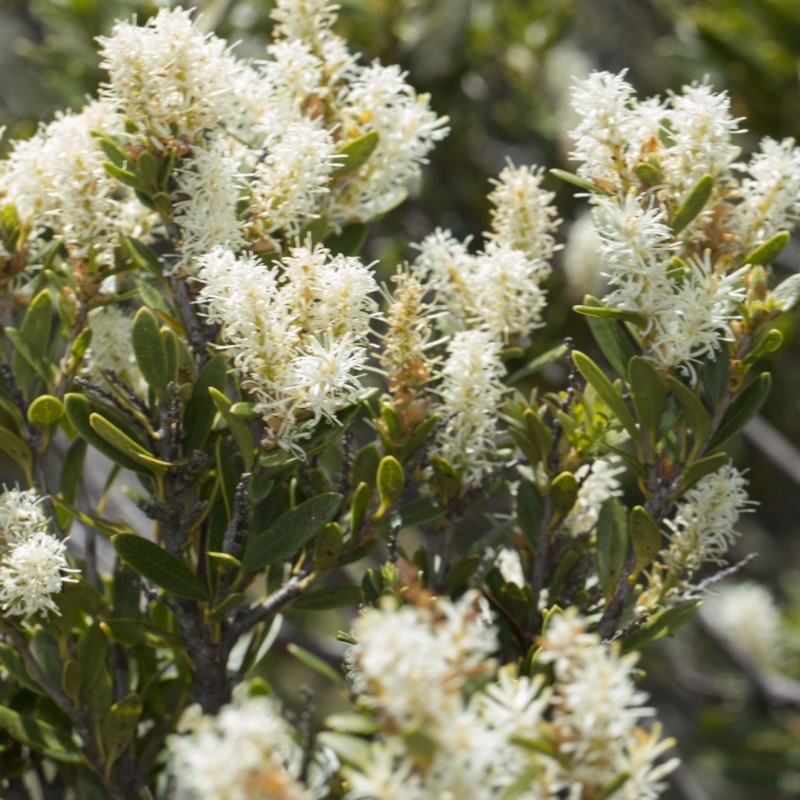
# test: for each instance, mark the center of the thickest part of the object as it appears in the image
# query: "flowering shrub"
(186, 313)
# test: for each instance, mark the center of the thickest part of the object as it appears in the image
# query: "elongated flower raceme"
(33, 563)
(296, 333)
(471, 392)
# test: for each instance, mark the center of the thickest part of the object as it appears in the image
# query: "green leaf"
(694, 203)
(33, 342)
(124, 444)
(365, 465)
(530, 513)
(354, 154)
(317, 664)
(351, 750)
(237, 426)
(54, 743)
(226, 606)
(612, 544)
(392, 422)
(610, 395)
(767, 252)
(645, 537)
(418, 437)
(661, 624)
(648, 172)
(787, 293)
(143, 256)
(12, 446)
(352, 722)
(563, 494)
(148, 347)
(699, 469)
(358, 508)
(446, 478)
(648, 395)
(576, 180)
(605, 312)
(45, 411)
(71, 680)
(200, 410)
(92, 651)
(611, 338)
(327, 597)
(26, 359)
(130, 631)
(350, 241)
(80, 409)
(114, 151)
(126, 177)
(147, 167)
(119, 727)
(459, 575)
(420, 512)
(291, 531)
(391, 483)
(767, 342)
(694, 412)
(716, 375)
(540, 362)
(744, 407)
(328, 546)
(151, 561)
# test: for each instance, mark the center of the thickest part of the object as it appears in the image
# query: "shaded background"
(501, 70)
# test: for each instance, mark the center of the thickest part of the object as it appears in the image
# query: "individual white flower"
(770, 193)
(524, 217)
(598, 481)
(471, 391)
(111, 348)
(747, 616)
(246, 752)
(208, 189)
(412, 662)
(167, 77)
(703, 526)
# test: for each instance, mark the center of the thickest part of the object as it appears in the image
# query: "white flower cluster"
(703, 527)
(598, 481)
(296, 332)
(413, 666)
(747, 615)
(246, 752)
(33, 563)
(499, 289)
(258, 149)
(57, 184)
(112, 332)
(684, 277)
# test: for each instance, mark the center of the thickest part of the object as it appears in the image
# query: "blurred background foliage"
(502, 70)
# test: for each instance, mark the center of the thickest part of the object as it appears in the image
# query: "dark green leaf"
(661, 624)
(157, 565)
(148, 347)
(200, 410)
(694, 412)
(767, 252)
(612, 544)
(540, 362)
(358, 509)
(327, 597)
(609, 394)
(291, 531)
(237, 426)
(119, 726)
(645, 537)
(693, 204)
(354, 154)
(648, 395)
(52, 742)
(530, 512)
(316, 663)
(606, 312)
(744, 407)
(705, 466)
(576, 180)
(611, 338)
(350, 241)
(12, 446)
